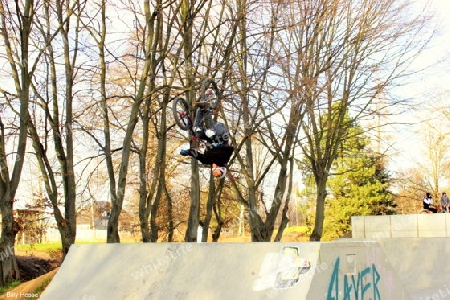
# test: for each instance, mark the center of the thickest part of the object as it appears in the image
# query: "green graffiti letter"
(334, 283)
(376, 278)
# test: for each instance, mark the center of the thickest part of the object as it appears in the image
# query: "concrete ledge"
(377, 227)
(447, 225)
(401, 226)
(358, 227)
(431, 225)
(404, 226)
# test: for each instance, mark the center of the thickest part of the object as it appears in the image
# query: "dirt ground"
(36, 269)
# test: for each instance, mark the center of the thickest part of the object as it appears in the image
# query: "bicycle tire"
(180, 110)
(205, 85)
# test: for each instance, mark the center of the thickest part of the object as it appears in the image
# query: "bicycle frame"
(182, 111)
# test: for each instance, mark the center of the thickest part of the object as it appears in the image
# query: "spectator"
(445, 202)
(428, 203)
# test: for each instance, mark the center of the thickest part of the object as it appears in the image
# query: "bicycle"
(207, 134)
(206, 104)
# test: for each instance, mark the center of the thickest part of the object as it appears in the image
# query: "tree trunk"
(257, 227)
(160, 165)
(284, 217)
(321, 184)
(154, 211)
(67, 230)
(145, 197)
(9, 268)
(112, 230)
(187, 17)
(171, 225)
(194, 209)
(8, 185)
(216, 234)
(209, 208)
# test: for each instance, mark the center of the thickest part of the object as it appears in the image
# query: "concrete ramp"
(349, 269)
(422, 264)
(345, 269)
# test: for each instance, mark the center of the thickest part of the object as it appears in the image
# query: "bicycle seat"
(202, 104)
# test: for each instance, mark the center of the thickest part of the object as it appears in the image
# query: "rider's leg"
(198, 122)
(209, 124)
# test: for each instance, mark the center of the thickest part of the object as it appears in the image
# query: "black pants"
(432, 209)
(203, 119)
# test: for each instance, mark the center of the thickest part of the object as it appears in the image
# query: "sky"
(434, 81)
(408, 142)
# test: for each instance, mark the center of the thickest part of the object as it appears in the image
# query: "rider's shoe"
(210, 133)
(185, 152)
(197, 129)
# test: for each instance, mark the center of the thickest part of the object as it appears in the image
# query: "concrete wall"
(346, 269)
(53, 235)
(401, 226)
(83, 234)
(356, 269)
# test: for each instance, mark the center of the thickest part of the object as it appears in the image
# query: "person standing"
(445, 202)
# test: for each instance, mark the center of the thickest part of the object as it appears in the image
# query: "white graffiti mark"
(281, 270)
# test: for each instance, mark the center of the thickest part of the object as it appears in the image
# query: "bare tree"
(271, 111)
(312, 63)
(435, 154)
(17, 20)
(152, 170)
(206, 39)
(58, 114)
(98, 29)
(348, 59)
(412, 186)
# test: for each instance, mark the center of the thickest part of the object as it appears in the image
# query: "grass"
(53, 250)
(82, 242)
(9, 286)
(40, 289)
(298, 229)
(47, 247)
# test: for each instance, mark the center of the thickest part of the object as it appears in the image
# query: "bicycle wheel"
(207, 84)
(180, 111)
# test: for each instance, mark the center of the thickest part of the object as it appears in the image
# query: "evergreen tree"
(357, 187)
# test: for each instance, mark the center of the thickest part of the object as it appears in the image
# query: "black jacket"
(216, 155)
(425, 204)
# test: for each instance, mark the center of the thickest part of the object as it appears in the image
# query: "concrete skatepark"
(366, 268)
